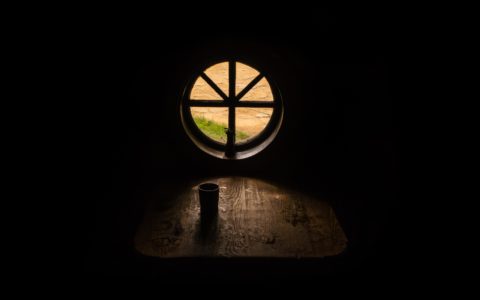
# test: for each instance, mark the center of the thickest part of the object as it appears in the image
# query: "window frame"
(241, 149)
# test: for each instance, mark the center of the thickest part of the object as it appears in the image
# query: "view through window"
(211, 102)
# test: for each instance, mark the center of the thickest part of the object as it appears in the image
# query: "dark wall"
(333, 69)
(332, 74)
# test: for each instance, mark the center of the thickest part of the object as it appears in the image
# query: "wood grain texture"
(255, 219)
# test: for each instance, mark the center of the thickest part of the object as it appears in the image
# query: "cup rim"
(208, 187)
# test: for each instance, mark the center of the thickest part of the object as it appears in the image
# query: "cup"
(208, 194)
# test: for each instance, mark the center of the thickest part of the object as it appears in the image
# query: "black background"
(341, 72)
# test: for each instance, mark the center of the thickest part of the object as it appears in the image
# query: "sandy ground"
(249, 120)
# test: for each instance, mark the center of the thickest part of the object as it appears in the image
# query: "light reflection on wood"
(256, 219)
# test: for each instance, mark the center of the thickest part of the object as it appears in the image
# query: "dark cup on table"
(208, 194)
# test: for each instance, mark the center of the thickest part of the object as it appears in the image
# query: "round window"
(231, 110)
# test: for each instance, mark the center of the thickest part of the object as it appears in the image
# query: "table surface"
(255, 219)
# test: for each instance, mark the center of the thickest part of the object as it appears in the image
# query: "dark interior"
(336, 70)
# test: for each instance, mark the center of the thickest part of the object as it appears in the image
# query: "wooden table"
(255, 219)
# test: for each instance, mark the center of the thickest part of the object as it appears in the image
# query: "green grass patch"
(216, 131)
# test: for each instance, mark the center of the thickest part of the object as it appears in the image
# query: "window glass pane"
(212, 121)
(219, 74)
(203, 91)
(250, 122)
(260, 92)
(245, 75)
